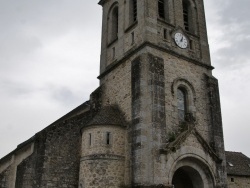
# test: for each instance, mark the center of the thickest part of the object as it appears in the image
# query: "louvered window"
(186, 15)
(161, 8)
(134, 10)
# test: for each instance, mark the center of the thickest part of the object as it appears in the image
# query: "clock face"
(181, 40)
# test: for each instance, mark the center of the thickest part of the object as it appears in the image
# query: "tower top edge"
(101, 2)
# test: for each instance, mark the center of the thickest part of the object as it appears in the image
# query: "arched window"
(163, 9)
(113, 24)
(185, 97)
(189, 15)
(186, 14)
(181, 103)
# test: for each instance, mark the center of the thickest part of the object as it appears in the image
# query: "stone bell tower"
(155, 67)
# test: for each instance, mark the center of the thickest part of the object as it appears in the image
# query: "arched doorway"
(187, 177)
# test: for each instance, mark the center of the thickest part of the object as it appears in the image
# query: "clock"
(181, 40)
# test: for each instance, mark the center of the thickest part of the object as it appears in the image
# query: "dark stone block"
(56, 157)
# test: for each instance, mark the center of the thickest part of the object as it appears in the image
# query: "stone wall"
(103, 161)
(12, 160)
(55, 157)
(62, 155)
(177, 71)
(105, 171)
(28, 172)
(4, 176)
(117, 89)
(129, 34)
(150, 28)
(98, 143)
(238, 181)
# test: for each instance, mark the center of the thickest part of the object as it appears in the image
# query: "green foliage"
(183, 126)
(171, 137)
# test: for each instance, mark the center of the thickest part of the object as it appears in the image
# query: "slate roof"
(237, 164)
(108, 115)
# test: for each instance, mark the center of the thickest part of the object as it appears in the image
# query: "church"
(155, 119)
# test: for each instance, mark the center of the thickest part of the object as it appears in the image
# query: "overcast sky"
(49, 61)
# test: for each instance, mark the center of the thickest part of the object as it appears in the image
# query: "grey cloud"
(64, 96)
(46, 68)
(49, 61)
(236, 54)
(233, 22)
(234, 12)
(14, 89)
(13, 49)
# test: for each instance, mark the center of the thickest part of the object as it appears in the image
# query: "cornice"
(133, 51)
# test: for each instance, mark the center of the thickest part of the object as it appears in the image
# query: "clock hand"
(182, 38)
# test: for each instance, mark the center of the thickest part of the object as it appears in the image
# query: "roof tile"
(107, 116)
(240, 164)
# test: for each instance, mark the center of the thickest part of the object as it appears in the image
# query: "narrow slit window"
(108, 138)
(232, 179)
(161, 8)
(113, 52)
(132, 38)
(165, 34)
(90, 139)
(191, 44)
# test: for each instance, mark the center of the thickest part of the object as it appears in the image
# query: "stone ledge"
(115, 64)
(151, 186)
(103, 157)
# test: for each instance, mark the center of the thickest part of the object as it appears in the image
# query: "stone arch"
(192, 3)
(196, 164)
(187, 177)
(185, 83)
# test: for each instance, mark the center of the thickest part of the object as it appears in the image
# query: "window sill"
(112, 42)
(132, 26)
(192, 34)
(165, 22)
(165, 40)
